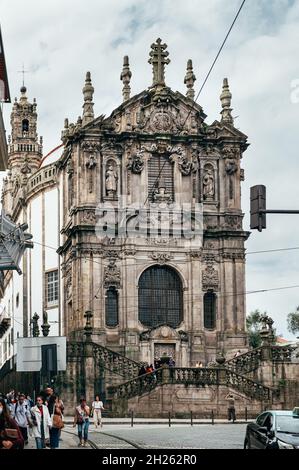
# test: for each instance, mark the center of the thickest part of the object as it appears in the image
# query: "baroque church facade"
(144, 209)
(151, 288)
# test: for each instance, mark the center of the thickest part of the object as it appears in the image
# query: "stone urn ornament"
(220, 359)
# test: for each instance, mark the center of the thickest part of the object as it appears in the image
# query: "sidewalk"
(153, 421)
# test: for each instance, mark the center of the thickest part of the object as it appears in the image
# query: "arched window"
(111, 308)
(160, 297)
(25, 125)
(209, 301)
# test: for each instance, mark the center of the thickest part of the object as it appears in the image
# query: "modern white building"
(30, 195)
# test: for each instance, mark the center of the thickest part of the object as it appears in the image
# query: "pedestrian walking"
(41, 423)
(82, 420)
(96, 410)
(10, 434)
(21, 414)
(231, 411)
(57, 422)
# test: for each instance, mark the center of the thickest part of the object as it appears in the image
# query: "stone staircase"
(232, 374)
(251, 360)
(138, 386)
(105, 358)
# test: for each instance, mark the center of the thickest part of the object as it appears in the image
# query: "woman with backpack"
(82, 413)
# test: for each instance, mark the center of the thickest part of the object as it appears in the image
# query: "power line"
(201, 88)
(216, 58)
(272, 251)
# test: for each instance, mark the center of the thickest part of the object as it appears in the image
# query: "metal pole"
(212, 416)
(132, 418)
(169, 419)
(191, 418)
(245, 413)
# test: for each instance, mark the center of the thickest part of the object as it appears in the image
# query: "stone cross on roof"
(158, 59)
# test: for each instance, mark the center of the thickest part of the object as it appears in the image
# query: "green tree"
(253, 324)
(293, 321)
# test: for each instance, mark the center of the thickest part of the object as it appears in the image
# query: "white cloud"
(60, 40)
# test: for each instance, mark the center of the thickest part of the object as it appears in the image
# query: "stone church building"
(127, 182)
(136, 220)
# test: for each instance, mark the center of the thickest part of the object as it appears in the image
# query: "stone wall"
(180, 400)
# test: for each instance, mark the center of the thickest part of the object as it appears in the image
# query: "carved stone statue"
(111, 180)
(208, 184)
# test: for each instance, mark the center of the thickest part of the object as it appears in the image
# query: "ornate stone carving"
(208, 183)
(161, 258)
(68, 283)
(89, 216)
(158, 59)
(210, 222)
(233, 255)
(230, 167)
(210, 277)
(183, 336)
(90, 165)
(162, 241)
(185, 165)
(136, 164)
(233, 221)
(145, 335)
(111, 178)
(231, 152)
(211, 244)
(112, 275)
(91, 146)
(114, 254)
(195, 254)
(161, 121)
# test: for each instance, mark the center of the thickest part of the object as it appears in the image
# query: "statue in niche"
(111, 180)
(208, 184)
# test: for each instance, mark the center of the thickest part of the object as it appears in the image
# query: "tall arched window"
(209, 301)
(25, 125)
(111, 307)
(160, 297)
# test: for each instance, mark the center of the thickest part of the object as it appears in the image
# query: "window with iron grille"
(111, 309)
(209, 310)
(155, 173)
(52, 288)
(160, 297)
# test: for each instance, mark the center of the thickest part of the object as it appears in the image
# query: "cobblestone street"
(204, 436)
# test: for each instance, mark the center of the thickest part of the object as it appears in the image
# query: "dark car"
(274, 430)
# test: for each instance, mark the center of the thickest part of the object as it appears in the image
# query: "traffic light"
(258, 207)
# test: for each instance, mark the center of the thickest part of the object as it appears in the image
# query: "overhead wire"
(201, 88)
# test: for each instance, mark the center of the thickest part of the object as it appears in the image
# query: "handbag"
(10, 433)
(57, 422)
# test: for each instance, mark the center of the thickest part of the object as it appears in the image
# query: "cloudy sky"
(59, 41)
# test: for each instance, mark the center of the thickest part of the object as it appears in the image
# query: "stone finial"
(125, 77)
(45, 326)
(158, 59)
(225, 99)
(35, 328)
(88, 114)
(23, 98)
(189, 80)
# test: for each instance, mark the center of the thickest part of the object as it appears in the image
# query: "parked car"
(274, 429)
